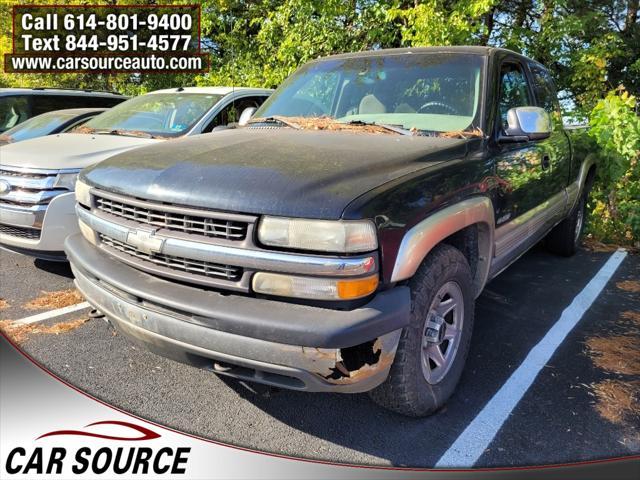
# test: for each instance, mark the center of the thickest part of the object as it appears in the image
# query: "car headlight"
(66, 180)
(314, 288)
(82, 193)
(341, 236)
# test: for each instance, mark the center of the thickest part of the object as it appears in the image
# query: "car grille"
(29, 187)
(208, 227)
(24, 173)
(28, 233)
(207, 269)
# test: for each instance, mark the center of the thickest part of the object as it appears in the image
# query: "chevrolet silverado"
(338, 241)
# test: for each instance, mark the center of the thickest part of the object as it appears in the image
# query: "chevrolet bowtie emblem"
(145, 241)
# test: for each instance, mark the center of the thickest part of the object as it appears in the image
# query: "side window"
(545, 90)
(231, 113)
(48, 103)
(102, 102)
(13, 111)
(514, 91)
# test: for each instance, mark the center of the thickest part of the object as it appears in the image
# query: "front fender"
(421, 238)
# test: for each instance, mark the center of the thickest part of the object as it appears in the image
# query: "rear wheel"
(434, 347)
(564, 239)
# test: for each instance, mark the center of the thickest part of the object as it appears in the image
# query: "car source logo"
(87, 457)
(5, 187)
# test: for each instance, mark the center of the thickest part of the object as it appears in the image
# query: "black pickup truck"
(338, 241)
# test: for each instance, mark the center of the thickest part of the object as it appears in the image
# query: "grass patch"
(20, 333)
(632, 316)
(617, 354)
(631, 286)
(596, 246)
(54, 300)
(617, 400)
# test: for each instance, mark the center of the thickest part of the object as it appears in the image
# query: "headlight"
(82, 193)
(319, 235)
(66, 180)
(314, 288)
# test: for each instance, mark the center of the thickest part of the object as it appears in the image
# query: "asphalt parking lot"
(583, 405)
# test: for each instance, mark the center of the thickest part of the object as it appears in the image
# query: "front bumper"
(282, 344)
(59, 221)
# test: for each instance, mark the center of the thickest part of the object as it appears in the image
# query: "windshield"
(157, 114)
(38, 126)
(432, 92)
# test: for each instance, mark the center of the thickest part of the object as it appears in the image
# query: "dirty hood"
(67, 150)
(313, 174)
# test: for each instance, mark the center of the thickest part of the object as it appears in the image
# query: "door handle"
(546, 162)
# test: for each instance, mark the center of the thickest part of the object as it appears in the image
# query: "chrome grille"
(197, 267)
(28, 233)
(24, 173)
(209, 227)
(29, 187)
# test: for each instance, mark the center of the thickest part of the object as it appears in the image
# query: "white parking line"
(474, 440)
(52, 313)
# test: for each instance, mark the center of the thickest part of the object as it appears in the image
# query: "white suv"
(37, 177)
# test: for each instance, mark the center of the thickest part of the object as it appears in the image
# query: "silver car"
(37, 177)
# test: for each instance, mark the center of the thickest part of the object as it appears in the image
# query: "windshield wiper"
(275, 119)
(393, 128)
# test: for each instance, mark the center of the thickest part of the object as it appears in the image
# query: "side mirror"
(246, 115)
(527, 123)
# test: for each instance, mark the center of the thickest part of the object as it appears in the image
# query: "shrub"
(615, 199)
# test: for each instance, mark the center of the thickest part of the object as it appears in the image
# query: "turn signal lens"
(348, 289)
(314, 288)
(88, 233)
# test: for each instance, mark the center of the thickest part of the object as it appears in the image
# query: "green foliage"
(616, 195)
(261, 43)
(438, 22)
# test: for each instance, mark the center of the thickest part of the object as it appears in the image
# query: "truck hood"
(67, 150)
(312, 174)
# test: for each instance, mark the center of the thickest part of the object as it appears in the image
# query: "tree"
(261, 43)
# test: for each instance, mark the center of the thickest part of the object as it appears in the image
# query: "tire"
(411, 388)
(564, 239)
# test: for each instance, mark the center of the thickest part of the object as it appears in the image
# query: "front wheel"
(433, 348)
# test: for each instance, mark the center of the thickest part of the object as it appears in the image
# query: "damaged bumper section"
(287, 345)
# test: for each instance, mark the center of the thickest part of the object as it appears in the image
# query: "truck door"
(557, 147)
(520, 166)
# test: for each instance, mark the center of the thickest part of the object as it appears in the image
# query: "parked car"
(37, 177)
(57, 121)
(19, 104)
(339, 241)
